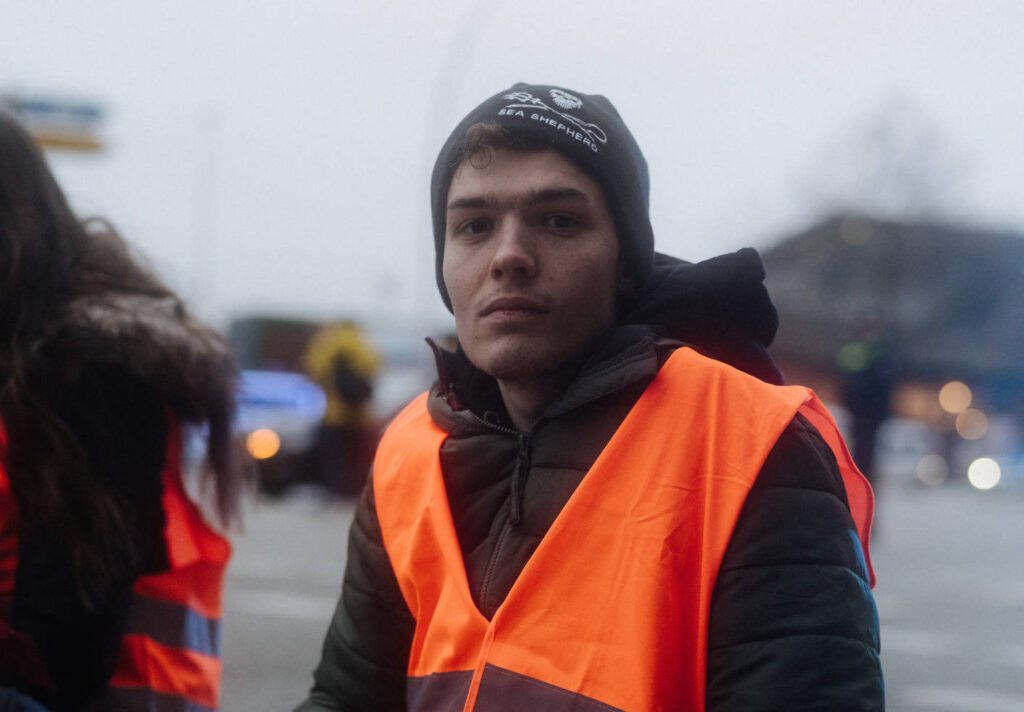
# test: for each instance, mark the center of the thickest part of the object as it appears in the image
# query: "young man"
(605, 502)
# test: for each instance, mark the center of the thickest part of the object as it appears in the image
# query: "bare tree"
(896, 164)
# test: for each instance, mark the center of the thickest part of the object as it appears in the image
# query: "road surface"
(950, 565)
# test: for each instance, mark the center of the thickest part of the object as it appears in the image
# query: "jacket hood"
(720, 306)
(150, 337)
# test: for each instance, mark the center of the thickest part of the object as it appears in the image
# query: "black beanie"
(586, 129)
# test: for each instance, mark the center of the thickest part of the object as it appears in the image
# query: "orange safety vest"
(611, 611)
(169, 654)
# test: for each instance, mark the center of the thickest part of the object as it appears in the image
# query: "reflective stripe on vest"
(611, 611)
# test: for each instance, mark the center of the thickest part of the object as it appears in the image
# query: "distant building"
(944, 302)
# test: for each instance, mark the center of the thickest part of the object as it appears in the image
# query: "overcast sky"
(275, 155)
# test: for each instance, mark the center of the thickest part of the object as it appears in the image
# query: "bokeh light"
(955, 397)
(263, 443)
(971, 424)
(854, 356)
(984, 473)
(932, 470)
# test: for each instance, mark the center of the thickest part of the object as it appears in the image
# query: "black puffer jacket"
(792, 625)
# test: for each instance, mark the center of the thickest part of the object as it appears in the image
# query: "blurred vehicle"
(280, 407)
(278, 412)
(917, 453)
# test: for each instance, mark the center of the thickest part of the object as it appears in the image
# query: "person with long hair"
(109, 576)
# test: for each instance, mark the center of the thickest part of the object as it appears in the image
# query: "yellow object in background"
(339, 348)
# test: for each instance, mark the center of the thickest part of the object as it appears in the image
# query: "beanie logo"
(565, 100)
(527, 106)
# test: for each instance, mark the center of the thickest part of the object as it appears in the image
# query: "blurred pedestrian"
(110, 579)
(341, 360)
(605, 502)
(867, 367)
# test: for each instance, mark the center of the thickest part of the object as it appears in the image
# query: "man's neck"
(526, 399)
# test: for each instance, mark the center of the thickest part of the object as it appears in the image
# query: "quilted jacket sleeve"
(793, 625)
(366, 649)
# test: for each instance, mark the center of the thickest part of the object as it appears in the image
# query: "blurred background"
(271, 160)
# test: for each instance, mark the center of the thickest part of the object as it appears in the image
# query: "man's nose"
(515, 252)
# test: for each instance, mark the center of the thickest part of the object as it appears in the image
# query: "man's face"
(530, 263)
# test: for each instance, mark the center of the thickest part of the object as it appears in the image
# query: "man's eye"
(562, 222)
(476, 227)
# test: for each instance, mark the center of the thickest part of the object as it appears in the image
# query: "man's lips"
(513, 304)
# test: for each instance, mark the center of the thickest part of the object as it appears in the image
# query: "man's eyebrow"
(472, 202)
(544, 195)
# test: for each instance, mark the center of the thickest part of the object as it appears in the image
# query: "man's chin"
(514, 369)
(509, 364)
(521, 365)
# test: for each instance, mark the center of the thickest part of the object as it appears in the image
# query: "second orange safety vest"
(611, 611)
(169, 655)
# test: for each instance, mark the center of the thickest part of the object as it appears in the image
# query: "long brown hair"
(48, 257)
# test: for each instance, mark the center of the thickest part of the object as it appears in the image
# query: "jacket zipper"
(519, 475)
